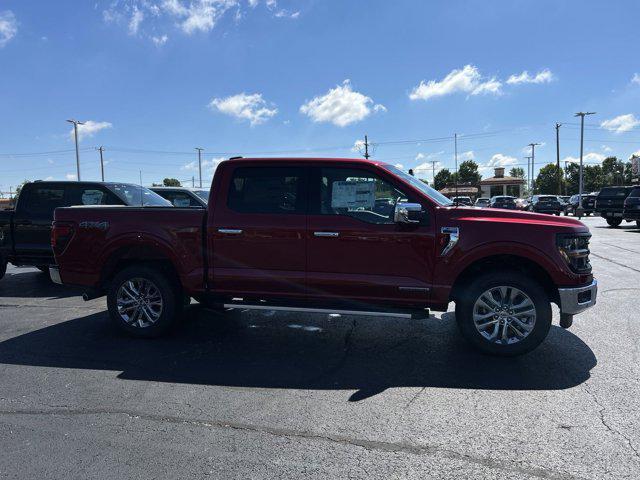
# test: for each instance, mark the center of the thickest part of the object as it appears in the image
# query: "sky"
(154, 79)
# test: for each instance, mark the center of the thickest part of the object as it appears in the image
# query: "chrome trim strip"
(54, 274)
(569, 298)
(413, 289)
(326, 234)
(316, 310)
(230, 231)
(454, 236)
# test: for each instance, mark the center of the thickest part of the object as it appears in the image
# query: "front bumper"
(574, 300)
(54, 273)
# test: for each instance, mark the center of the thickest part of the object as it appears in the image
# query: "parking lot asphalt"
(284, 395)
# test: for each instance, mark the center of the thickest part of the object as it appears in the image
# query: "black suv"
(610, 204)
(545, 204)
(632, 206)
(588, 204)
(503, 201)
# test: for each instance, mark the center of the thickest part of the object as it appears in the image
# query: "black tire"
(169, 291)
(637, 225)
(3, 267)
(614, 222)
(539, 298)
(43, 268)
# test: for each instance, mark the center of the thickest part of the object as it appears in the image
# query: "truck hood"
(513, 218)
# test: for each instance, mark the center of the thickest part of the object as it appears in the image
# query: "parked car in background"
(182, 197)
(564, 202)
(307, 235)
(503, 201)
(588, 204)
(548, 204)
(610, 204)
(483, 202)
(462, 201)
(631, 210)
(521, 203)
(25, 233)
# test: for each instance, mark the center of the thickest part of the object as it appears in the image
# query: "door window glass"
(359, 194)
(276, 190)
(44, 200)
(93, 197)
(180, 199)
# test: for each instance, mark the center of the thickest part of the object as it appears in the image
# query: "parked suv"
(610, 204)
(632, 206)
(588, 204)
(347, 236)
(503, 201)
(25, 233)
(483, 202)
(545, 204)
(466, 201)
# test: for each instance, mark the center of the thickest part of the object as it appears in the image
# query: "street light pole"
(533, 165)
(558, 125)
(101, 149)
(200, 164)
(581, 182)
(75, 136)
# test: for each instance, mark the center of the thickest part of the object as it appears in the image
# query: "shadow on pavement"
(31, 283)
(292, 351)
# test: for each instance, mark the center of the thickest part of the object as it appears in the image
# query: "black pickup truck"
(610, 203)
(25, 233)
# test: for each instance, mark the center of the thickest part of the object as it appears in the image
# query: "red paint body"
(278, 256)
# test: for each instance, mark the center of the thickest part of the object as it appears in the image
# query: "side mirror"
(403, 211)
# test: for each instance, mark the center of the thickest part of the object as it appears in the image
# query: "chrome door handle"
(230, 231)
(326, 234)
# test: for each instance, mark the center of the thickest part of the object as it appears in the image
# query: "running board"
(323, 310)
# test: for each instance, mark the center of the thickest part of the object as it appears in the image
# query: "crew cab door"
(356, 251)
(257, 238)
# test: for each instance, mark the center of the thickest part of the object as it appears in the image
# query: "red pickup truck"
(330, 235)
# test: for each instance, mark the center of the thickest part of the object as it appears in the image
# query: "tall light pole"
(200, 164)
(75, 136)
(533, 165)
(455, 155)
(101, 149)
(558, 125)
(581, 115)
(528, 173)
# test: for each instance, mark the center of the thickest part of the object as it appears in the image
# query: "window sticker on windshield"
(353, 195)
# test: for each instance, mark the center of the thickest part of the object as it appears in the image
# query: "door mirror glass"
(406, 212)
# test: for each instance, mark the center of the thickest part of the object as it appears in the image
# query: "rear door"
(258, 233)
(356, 251)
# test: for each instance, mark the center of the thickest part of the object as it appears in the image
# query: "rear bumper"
(54, 273)
(574, 300)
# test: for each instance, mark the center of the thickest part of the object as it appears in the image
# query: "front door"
(356, 251)
(258, 233)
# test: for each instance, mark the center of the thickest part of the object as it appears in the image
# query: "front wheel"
(614, 222)
(504, 313)
(143, 301)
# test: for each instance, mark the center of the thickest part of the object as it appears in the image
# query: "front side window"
(359, 194)
(421, 186)
(274, 190)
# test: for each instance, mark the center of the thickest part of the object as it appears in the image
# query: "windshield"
(203, 194)
(613, 192)
(433, 194)
(136, 195)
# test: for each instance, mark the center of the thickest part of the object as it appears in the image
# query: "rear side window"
(274, 190)
(635, 193)
(44, 200)
(180, 199)
(79, 195)
(613, 192)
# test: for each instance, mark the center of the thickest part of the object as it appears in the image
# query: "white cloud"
(358, 146)
(544, 76)
(501, 160)
(135, 21)
(284, 13)
(467, 80)
(159, 41)
(606, 148)
(89, 129)
(591, 157)
(621, 123)
(635, 79)
(468, 155)
(245, 107)
(341, 106)
(71, 176)
(8, 27)
(208, 166)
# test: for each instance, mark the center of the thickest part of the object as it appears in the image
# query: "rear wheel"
(504, 313)
(143, 301)
(614, 222)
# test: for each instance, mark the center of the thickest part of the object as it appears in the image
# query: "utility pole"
(140, 177)
(533, 165)
(200, 164)
(193, 182)
(566, 163)
(558, 125)
(101, 149)
(366, 147)
(433, 170)
(75, 136)
(528, 173)
(581, 115)
(455, 156)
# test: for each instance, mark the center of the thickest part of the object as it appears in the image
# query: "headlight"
(574, 248)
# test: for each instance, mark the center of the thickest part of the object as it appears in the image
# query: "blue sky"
(156, 78)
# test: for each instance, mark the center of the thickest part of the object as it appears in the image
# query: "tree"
(171, 182)
(442, 179)
(517, 172)
(468, 173)
(547, 180)
(613, 171)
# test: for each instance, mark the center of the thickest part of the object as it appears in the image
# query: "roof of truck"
(304, 159)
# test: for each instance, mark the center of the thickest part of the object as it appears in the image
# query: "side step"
(416, 315)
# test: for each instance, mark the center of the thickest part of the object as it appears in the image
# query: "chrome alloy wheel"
(139, 302)
(504, 315)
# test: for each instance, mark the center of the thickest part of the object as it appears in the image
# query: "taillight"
(574, 248)
(61, 233)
